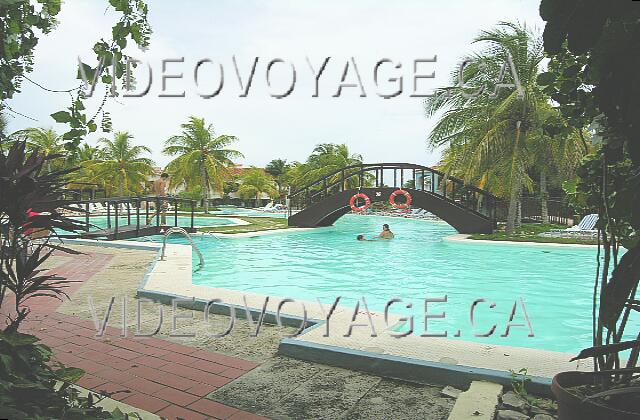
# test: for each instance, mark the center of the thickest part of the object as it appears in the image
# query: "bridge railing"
(139, 211)
(396, 175)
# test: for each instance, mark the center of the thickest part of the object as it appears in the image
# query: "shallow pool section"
(552, 284)
(100, 222)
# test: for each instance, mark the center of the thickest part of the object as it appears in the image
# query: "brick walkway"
(155, 375)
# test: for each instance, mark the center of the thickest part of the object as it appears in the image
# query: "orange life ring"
(407, 196)
(365, 197)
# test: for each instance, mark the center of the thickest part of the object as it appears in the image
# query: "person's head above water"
(360, 238)
(385, 227)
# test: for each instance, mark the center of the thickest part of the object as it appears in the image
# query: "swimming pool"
(241, 211)
(100, 222)
(554, 282)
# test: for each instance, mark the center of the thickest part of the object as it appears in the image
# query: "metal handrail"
(451, 189)
(365, 167)
(176, 229)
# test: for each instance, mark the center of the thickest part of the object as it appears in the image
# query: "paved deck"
(159, 376)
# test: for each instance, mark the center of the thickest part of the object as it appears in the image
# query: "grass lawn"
(529, 233)
(257, 224)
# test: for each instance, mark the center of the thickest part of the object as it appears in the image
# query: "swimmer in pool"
(386, 232)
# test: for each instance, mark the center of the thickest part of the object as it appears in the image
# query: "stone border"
(462, 237)
(404, 368)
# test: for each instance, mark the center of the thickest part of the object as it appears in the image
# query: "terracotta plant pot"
(572, 407)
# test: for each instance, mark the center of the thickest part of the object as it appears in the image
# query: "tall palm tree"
(557, 156)
(47, 141)
(83, 158)
(490, 130)
(202, 157)
(327, 158)
(87, 152)
(255, 182)
(277, 169)
(120, 164)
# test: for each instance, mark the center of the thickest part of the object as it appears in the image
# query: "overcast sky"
(382, 130)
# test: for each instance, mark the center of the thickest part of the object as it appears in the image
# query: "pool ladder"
(186, 234)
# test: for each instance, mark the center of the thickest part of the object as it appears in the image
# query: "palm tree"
(83, 157)
(325, 159)
(489, 133)
(86, 152)
(255, 182)
(202, 157)
(120, 164)
(277, 169)
(47, 141)
(557, 156)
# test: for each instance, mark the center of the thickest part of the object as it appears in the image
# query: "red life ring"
(365, 197)
(407, 196)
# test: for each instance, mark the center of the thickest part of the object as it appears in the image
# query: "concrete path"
(479, 402)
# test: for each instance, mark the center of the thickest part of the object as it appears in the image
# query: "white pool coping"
(252, 234)
(173, 278)
(462, 237)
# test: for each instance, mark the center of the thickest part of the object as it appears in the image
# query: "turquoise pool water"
(101, 221)
(554, 282)
(239, 211)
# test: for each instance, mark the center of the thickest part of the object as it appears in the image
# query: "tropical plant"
(87, 153)
(254, 182)
(3, 128)
(202, 158)
(47, 141)
(556, 155)
(592, 75)
(488, 128)
(277, 168)
(326, 158)
(83, 157)
(31, 385)
(120, 165)
(23, 23)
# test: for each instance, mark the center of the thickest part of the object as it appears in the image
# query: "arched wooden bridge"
(465, 207)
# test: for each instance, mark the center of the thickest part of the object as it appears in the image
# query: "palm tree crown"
(46, 141)
(489, 134)
(202, 157)
(121, 165)
(255, 182)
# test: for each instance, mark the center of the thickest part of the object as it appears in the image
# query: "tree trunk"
(544, 197)
(518, 222)
(258, 199)
(512, 214)
(120, 193)
(205, 189)
(513, 208)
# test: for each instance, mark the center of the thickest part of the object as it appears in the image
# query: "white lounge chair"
(587, 224)
(277, 208)
(95, 208)
(413, 213)
(268, 207)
